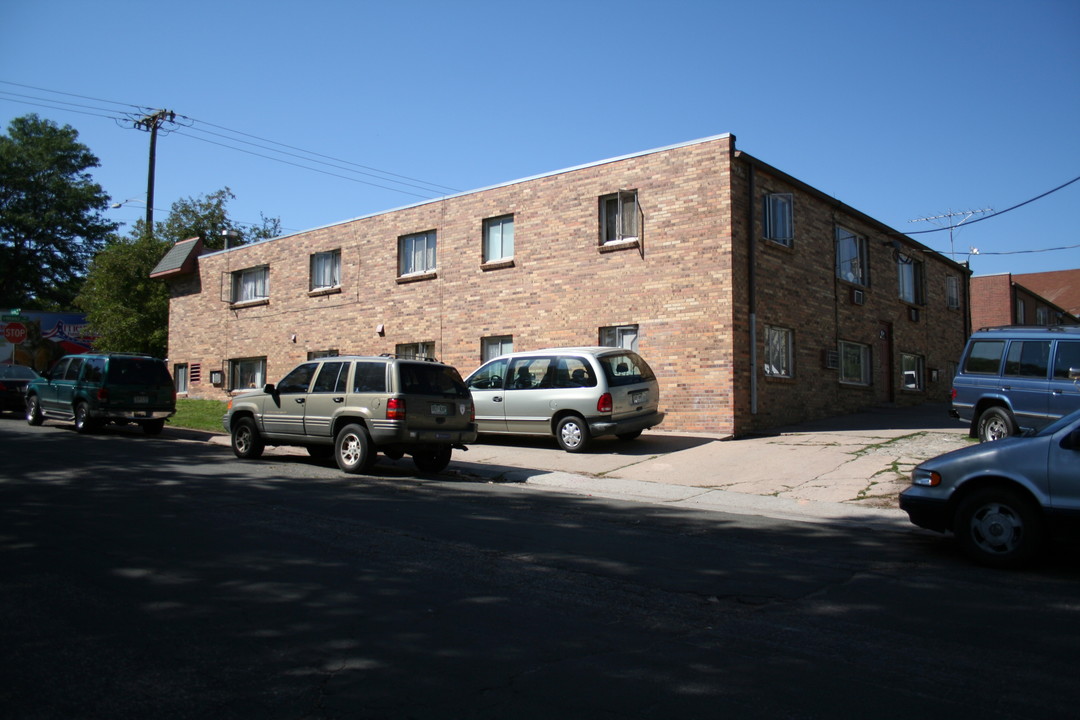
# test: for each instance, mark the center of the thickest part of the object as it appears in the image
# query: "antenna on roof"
(947, 217)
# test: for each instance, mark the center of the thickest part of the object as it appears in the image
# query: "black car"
(13, 382)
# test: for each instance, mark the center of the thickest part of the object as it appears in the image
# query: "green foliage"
(126, 309)
(50, 214)
(198, 414)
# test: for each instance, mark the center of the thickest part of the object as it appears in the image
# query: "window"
(1042, 315)
(72, 372)
(251, 284)
(94, 371)
(531, 373)
(499, 238)
(851, 257)
(489, 377)
(1021, 311)
(299, 379)
(619, 217)
(854, 363)
(180, 376)
(778, 352)
(620, 336)
(910, 271)
(413, 351)
(984, 357)
(370, 377)
(332, 378)
(1068, 356)
(316, 354)
(952, 292)
(247, 373)
(325, 270)
(1028, 358)
(779, 226)
(416, 253)
(913, 372)
(493, 347)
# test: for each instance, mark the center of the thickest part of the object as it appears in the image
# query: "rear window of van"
(984, 358)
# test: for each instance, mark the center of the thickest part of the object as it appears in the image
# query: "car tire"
(247, 444)
(999, 527)
(153, 427)
(572, 433)
(353, 449)
(433, 461)
(83, 423)
(34, 416)
(996, 423)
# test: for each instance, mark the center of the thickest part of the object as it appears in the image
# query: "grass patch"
(198, 414)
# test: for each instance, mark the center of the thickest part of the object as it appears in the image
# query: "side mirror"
(269, 389)
(1072, 440)
(1074, 373)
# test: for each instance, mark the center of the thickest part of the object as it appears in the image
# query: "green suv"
(96, 389)
(355, 407)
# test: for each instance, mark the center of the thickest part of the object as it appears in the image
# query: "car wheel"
(153, 427)
(996, 423)
(353, 450)
(629, 436)
(34, 415)
(572, 433)
(247, 444)
(433, 461)
(999, 527)
(83, 423)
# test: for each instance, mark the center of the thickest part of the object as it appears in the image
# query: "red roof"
(1061, 287)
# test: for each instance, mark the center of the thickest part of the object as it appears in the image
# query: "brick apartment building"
(1008, 299)
(758, 300)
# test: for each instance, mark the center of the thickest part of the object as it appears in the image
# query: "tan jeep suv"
(355, 407)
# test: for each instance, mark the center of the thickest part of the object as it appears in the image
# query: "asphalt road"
(147, 577)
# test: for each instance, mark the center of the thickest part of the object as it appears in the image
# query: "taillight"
(604, 404)
(472, 411)
(395, 409)
(952, 394)
(103, 394)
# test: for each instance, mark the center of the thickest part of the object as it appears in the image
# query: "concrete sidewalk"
(850, 468)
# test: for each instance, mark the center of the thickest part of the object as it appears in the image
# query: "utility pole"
(947, 217)
(151, 123)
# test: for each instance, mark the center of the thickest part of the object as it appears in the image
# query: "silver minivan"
(575, 394)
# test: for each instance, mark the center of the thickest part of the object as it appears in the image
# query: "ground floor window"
(854, 363)
(180, 377)
(414, 351)
(493, 347)
(316, 354)
(913, 372)
(247, 373)
(620, 336)
(778, 352)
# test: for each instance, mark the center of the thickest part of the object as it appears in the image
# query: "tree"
(50, 214)
(125, 308)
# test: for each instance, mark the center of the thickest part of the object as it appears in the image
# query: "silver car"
(575, 394)
(1002, 499)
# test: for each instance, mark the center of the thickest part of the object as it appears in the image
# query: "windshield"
(17, 372)
(1061, 423)
(626, 368)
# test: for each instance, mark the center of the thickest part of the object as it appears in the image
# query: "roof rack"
(1028, 328)
(424, 358)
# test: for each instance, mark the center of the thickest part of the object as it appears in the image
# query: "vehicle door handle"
(300, 400)
(339, 399)
(497, 398)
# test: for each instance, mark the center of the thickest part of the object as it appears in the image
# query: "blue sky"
(901, 110)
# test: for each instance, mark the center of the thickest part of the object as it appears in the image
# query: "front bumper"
(931, 513)
(619, 427)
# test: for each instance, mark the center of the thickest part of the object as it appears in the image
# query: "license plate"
(142, 399)
(441, 409)
(639, 397)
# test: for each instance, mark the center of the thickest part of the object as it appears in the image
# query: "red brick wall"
(686, 286)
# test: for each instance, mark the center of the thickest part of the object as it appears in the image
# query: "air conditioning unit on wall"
(858, 297)
(830, 359)
(913, 314)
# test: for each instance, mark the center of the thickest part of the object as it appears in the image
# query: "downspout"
(752, 288)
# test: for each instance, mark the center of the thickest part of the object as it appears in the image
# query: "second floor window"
(851, 261)
(251, 284)
(416, 252)
(325, 270)
(779, 226)
(499, 238)
(952, 292)
(910, 271)
(619, 216)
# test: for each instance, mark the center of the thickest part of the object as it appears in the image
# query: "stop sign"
(15, 333)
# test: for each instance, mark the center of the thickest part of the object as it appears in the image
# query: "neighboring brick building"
(758, 300)
(1059, 287)
(1006, 299)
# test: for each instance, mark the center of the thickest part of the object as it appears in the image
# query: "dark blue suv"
(1017, 378)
